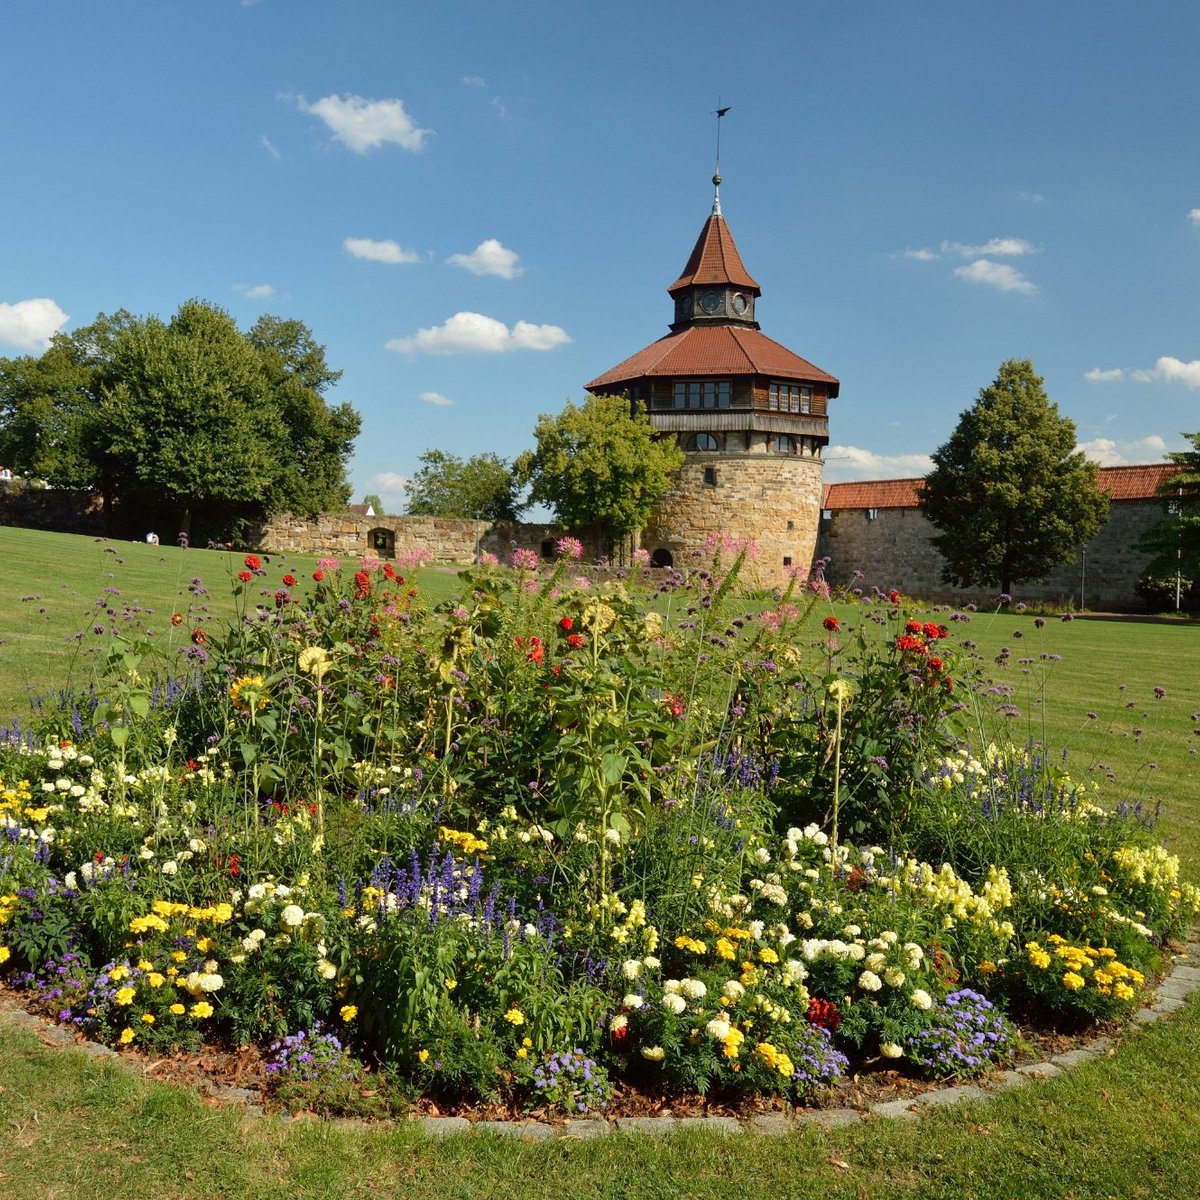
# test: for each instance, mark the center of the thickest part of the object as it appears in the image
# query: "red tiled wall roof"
(1121, 483)
(715, 259)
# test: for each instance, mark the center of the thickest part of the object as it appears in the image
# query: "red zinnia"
(824, 1013)
(935, 664)
(565, 624)
(537, 653)
(289, 580)
(575, 640)
(912, 627)
(894, 596)
(199, 637)
(318, 575)
(177, 618)
(245, 576)
(389, 572)
(930, 630)
(830, 624)
(908, 643)
(253, 562)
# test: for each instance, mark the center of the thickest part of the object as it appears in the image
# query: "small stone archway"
(662, 557)
(381, 542)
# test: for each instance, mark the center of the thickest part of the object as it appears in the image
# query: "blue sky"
(477, 207)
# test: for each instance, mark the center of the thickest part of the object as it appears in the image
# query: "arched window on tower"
(702, 441)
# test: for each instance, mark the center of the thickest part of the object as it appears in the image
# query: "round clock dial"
(740, 304)
(711, 302)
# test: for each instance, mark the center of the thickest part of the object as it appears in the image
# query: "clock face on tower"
(711, 302)
(739, 303)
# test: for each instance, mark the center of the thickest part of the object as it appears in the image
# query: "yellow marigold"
(125, 995)
(147, 923)
(202, 1009)
(695, 945)
(1038, 958)
(1123, 991)
(422, 1055)
(177, 1010)
(5, 954)
(349, 1012)
(987, 967)
(127, 1036)
(767, 955)
(515, 1016)
(147, 1018)
(155, 980)
(725, 948)
(1072, 981)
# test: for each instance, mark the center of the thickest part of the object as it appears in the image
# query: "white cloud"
(29, 324)
(384, 252)
(255, 291)
(266, 141)
(997, 275)
(1194, 216)
(1096, 375)
(846, 463)
(436, 399)
(998, 246)
(1175, 371)
(1031, 197)
(1109, 453)
(390, 486)
(470, 332)
(920, 255)
(489, 258)
(366, 124)
(474, 81)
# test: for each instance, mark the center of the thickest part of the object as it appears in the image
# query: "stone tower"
(750, 416)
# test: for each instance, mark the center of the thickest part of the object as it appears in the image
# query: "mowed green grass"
(1122, 1126)
(55, 586)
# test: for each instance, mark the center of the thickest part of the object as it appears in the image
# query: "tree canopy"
(185, 418)
(599, 467)
(481, 489)
(1011, 495)
(1175, 540)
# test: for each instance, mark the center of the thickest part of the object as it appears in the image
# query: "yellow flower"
(125, 995)
(987, 967)
(841, 690)
(523, 1053)
(1072, 981)
(451, 984)
(248, 692)
(725, 948)
(177, 1010)
(202, 1009)
(155, 980)
(515, 1016)
(147, 1018)
(314, 661)
(767, 956)
(127, 1036)
(204, 944)
(349, 1012)
(422, 1055)
(5, 954)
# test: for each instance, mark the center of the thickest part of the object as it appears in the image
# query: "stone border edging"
(1177, 985)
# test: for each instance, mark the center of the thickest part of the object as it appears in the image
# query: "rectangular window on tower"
(806, 399)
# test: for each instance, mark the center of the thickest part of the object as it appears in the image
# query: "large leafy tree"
(483, 488)
(1175, 540)
(1010, 493)
(599, 467)
(182, 419)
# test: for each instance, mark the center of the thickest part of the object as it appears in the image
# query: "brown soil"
(213, 1068)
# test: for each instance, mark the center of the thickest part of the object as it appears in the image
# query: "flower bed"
(558, 838)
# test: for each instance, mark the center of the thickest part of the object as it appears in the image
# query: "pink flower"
(569, 547)
(525, 560)
(328, 564)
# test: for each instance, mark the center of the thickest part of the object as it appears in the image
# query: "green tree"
(483, 488)
(1011, 495)
(374, 502)
(1175, 540)
(600, 467)
(180, 418)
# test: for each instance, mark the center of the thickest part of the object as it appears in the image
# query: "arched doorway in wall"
(382, 542)
(662, 558)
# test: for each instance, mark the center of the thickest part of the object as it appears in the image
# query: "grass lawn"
(1123, 1126)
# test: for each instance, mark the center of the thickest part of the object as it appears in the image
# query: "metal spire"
(716, 208)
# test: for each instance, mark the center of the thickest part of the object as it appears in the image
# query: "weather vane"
(717, 175)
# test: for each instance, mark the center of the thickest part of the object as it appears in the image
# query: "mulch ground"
(217, 1066)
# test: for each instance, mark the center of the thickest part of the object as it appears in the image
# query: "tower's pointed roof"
(715, 259)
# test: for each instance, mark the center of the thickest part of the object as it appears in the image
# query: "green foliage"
(481, 489)
(1175, 540)
(1011, 495)
(373, 501)
(189, 416)
(599, 466)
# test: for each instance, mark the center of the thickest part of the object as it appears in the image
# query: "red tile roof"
(715, 259)
(1121, 483)
(713, 350)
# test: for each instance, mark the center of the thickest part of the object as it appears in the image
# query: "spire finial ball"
(717, 179)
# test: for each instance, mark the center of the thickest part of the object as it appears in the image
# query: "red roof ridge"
(715, 259)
